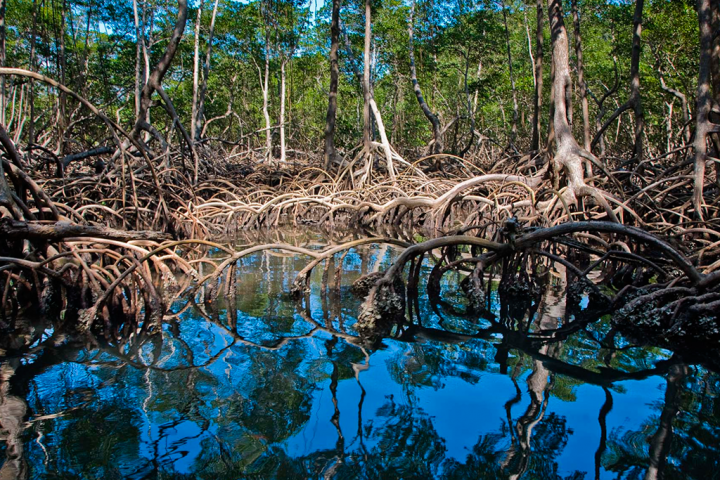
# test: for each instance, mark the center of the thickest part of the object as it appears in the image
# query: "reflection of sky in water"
(421, 407)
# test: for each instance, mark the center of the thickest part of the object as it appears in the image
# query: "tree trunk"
(704, 104)
(62, 100)
(634, 100)
(196, 72)
(204, 80)
(334, 75)
(367, 137)
(537, 103)
(635, 80)
(282, 111)
(2, 60)
(513, 130)
(715, 72)
(437, 143)
(31, 96)
(154, 81)
(139, 41)
(569, 156)
(265, 86)
(581, 83)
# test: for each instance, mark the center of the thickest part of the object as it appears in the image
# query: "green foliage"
(461, 59)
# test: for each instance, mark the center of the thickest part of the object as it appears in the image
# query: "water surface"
(276, 389)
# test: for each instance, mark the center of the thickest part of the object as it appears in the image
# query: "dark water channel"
(291, 394)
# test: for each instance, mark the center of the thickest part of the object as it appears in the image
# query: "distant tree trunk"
(704, 104)
(634, 101)
(62, 100)
(537, 103)
(715, 72)
(31, 130)
(513, 130)
(334, 76)
(139, 41)
(154, 82)
(2, 61)
(370, 107)
(568, 156)
(282, 110)
(206, 74)
(683, 105)
(635, 98)
(196, 71)
(265, 86)
(367, 127)
(437, 142)
(582, 85)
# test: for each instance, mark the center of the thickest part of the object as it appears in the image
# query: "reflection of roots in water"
(547, 283)
(533, 289)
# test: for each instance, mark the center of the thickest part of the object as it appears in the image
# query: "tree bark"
(282, 110)
(334, 76)
(154, 82)
(2, 60)
(197, 134)
(513, 130)
(139, 42)
(568, 156)
(704, 104)
(537, 103)
(437, 143)
(635, 80)
(31, 96)
(63, 229)
(196, 72)
(581, 83)
(265, 86)
(367, 127)
(634, 101)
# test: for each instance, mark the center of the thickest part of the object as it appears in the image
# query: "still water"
(270, 389)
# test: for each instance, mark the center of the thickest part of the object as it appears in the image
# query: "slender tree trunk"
(196, 71)
(367, 127)
(715, 72)
(33, 35)
(537, 103)
(62, 100)
(513, 129)
(2, 60)
(282, 111)
(568, 156)
(581, 83)
(334, 76)
(370, 108)
(683, 105)
(154, 82)
(635, 80)
(437, 142)
(634, 101)
(265, 86)
(529, 45)
(206, 74)
(139, 41)
(704, 104)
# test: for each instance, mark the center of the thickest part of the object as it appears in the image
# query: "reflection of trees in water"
(12, 415)
(681, 442)
(244, 414)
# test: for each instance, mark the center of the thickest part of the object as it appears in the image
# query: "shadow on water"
(524, 382)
